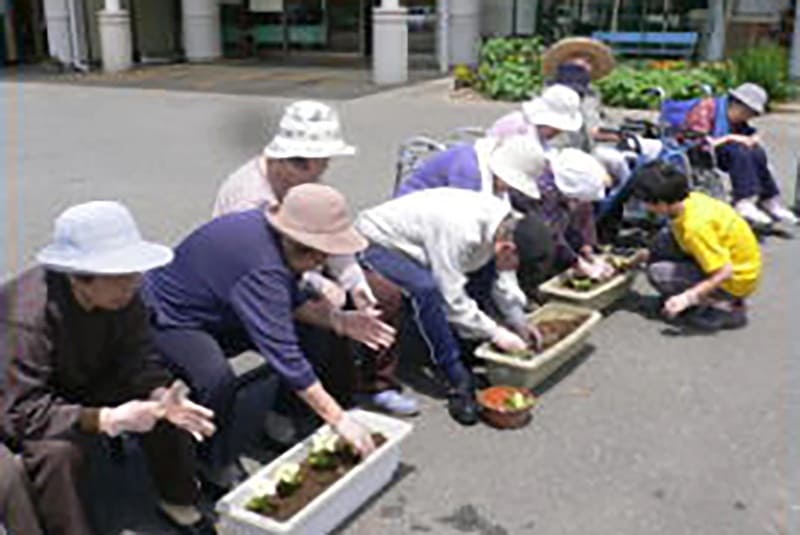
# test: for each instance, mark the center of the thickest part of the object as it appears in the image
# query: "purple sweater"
(456, 167)
(230, 275)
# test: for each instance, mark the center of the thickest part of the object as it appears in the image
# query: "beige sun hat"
(751, 95)
(317, 216)
(558, 107)
(518, 161)
(596, 52)
(579, 175)
(308, 129)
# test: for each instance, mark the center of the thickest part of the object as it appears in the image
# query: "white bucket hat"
(100, 238)
(308, 129)
(518, 161)
(578, 175)
(751, 95)
(558, 107)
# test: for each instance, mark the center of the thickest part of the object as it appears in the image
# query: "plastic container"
(333, 506)
(599, 298)
(528, 373)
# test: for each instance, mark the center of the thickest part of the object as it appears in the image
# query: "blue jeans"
(428, 305)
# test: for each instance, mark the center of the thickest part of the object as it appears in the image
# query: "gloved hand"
(355, 434)
(362, 296)
(363, 326)
(595, 268)
(678, 303)
(133, 417)
(507, 341)
(185, 414)
(529, 333)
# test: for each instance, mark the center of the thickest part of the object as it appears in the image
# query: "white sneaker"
(776, 209)
(747, 209)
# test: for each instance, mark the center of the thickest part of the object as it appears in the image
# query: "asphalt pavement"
(648, 433)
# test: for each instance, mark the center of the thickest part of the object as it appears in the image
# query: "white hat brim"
(139, 257)
(584, 194)
(540, 115)
(744, 99)
(519, 180)
(281, 149)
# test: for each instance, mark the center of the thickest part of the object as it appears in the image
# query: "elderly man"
(235, 283)
(17, 513)
(497, 167)
(76, 339)
(309, 134)
(429, 243)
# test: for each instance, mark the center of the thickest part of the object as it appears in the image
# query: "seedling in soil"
(552, 331)
(297, 485)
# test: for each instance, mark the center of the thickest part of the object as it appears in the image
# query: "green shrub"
(767, 66)
(510, 68)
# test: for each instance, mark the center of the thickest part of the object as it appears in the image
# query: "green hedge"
(510, 69)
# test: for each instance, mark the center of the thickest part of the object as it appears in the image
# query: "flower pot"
(503, 369)
(335, 504)
(503, 417)
(598, 298)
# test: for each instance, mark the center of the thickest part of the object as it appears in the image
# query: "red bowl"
(496, 414)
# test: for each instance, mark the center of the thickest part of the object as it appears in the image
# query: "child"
(708, 260)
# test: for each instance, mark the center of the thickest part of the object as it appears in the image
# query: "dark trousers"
(428, 306)
(376, 369)
(17, 513)
(56, 469)
(201, 359)
(749, 171)
(672, 271)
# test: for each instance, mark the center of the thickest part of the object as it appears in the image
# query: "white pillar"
(116, 42)
(464, 29)
(716, 21)
(794, 67)
(201, 30)
(389, 43)
(56, 15)
(443, 34)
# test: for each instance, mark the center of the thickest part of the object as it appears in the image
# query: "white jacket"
(452, 232)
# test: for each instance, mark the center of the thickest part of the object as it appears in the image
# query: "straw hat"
(317, 216)
(596, 52)
(308, 129)
(558, 107)
(578, 175)
(518, 160)
(100, 238)
(751, 95)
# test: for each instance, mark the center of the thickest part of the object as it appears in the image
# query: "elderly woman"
(235, 284)
(740, 153)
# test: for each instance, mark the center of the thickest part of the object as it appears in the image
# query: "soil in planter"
(314, 483)
(553, 331)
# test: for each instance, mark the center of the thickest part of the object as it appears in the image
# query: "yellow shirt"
(715, 235)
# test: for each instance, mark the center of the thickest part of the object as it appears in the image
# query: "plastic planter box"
(601, 297)
(505, 370)
(333, 506)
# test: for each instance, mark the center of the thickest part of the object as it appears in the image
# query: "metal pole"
(514, 18)
(716, 18)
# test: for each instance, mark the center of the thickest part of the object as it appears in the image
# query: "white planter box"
(333, 506)
(528, 373)
(599, 298)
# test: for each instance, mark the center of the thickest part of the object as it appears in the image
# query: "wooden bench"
(650, 44)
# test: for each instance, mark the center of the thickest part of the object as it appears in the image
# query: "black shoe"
(714, 319)
(463, 407)
(217, 482)
(204, 526)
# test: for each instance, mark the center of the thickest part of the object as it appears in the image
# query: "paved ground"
(650, 433)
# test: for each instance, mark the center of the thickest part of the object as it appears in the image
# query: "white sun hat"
(518, 161)
(308, 129)
(558, 107)
(100, 238)
(579, 175)
(753, 96)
